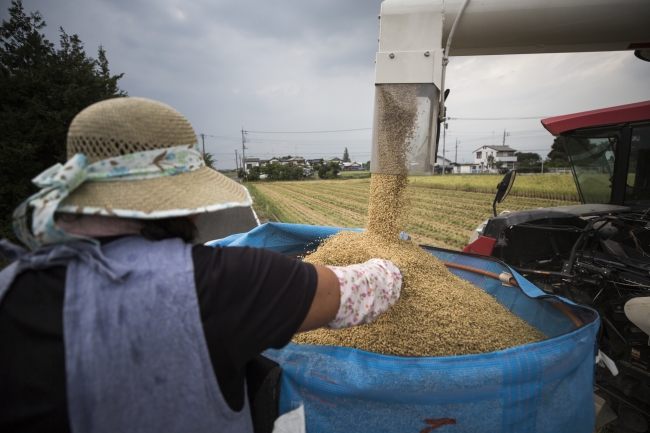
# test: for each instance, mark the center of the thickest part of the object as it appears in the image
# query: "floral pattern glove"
(367, 290)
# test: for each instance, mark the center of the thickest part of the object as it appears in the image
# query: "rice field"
(440, 214)
(549, 186)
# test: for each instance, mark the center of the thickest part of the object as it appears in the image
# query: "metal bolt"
(391, 55)
(426, 54)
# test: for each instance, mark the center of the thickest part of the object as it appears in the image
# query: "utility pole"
(203, 140)
(456, 157)
(243, 151)
(444, 135)
(236, 160)
(505, 134)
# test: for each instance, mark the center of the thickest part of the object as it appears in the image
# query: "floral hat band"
(58, 181)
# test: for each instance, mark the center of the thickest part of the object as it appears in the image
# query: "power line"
(309, 132)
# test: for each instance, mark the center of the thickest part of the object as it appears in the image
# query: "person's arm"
(253, 299)
(326, 300)
(365, 291)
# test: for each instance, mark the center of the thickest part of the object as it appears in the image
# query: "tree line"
(42, 88)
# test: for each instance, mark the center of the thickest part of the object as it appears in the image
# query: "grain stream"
(438, 313)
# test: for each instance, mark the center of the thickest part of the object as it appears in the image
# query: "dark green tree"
(209, 160)
(346, 155)
(42, 88)
(329, 170)
(528, 158)
(277, 171)
(557, 157)
(558, 152)
(253, 174)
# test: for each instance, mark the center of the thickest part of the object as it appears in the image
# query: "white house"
(251, 162)
(440, 160)
(484, 154)
(467, 168)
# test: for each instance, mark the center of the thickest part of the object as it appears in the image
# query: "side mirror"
(503, 189)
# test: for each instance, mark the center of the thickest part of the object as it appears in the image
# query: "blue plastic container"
(540, 387)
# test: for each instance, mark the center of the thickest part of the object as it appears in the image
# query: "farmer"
(116, 322)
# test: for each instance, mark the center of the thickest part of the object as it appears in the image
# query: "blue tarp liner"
(540, 387)
(282, 238)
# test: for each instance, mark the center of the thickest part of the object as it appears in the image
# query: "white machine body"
(413, 33)
(411, 28)
(638, 311)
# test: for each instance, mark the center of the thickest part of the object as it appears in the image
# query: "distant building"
(297, 160)
(269, 161)
(351, 166)
(335, 159)
(505, 154)
(251, 162)
(467, 168)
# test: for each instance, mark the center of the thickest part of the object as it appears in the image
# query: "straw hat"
(129, 125)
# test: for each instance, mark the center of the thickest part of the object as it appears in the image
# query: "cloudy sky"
(304, 65)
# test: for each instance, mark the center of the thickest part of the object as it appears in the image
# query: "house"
(486, 156)
(297, 160)
(251, 162)
(273, 160)
(467, 168)
(351, 166)
(315, 161)
(335, 159)
(440, 160)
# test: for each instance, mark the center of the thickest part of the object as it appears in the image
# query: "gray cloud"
(295, 65)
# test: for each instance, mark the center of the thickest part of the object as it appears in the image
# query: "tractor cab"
(609, 152)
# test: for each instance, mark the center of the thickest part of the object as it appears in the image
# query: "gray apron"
(135, 352)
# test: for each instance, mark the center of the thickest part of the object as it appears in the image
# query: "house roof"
(498, 148)
(251, 160)
(606, 116)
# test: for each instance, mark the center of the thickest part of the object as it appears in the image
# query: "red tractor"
(596, 253)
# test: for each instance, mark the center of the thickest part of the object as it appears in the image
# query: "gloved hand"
(367, 290)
